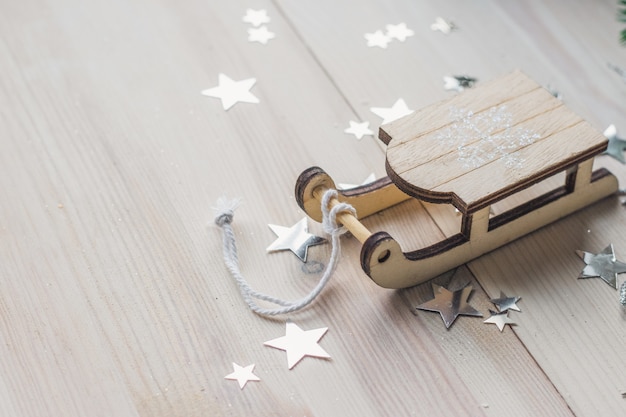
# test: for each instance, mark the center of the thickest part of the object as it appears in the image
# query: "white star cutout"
(377, 38)
(295, 238)
(242, 375)
(231, 92)
(370, 178)
(256, 17)
(389, 114)
(261, 35)
(399, 32)
(359, 129)
(299, 343)
(443, 26)
(499, 319)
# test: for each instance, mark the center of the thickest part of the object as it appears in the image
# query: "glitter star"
(256, 17)
(505, 303)
(261, 35)
(458, 82)
(399, 32)
(370, 178)
(450, 304)
(377, 38)
(389, 114)
(242, 375)
(603, 265)
(616, 145)
(443, 26)
(359, 129)
(231, 92)
(295, 238)
(299, 343)
(499, 319)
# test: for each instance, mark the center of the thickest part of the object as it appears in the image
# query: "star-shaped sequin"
(256, 17)
(261, 35)
(458, 82)
(299, 343)
(359, 129)
(616, 145)
(505, 303)
(399, 32)
(370, 178)
(443, 26)
(603, 265)
(450, 304)
(242, 375)
(499, 319)
(295, 238)
(232, 92)
(378, 39)
(389, 114)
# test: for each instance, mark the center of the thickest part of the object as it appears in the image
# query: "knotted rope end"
(225, 210)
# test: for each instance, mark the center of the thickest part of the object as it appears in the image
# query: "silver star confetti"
(450, 304)
(256, 17)
(370, 178)
(261, 35)
(359, 129)
(299, 343)
(505, 303)
(458, 82)
(378, 39)
(499, 319)
(616, 145)
(602, 265)
(295, 238)
(618, 70)
(242, 375)
(443, 26)
(389, 114)
(232, 92)
(399, 32)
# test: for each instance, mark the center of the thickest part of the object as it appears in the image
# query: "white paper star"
(603, 265)
(299, 343)
(399, 32)
(370, 178)
(295, 238)
(261, 35)
(231, 92)
(616, 146)
(377, 38)
(443, 26)
(499, 319)
(242, 375)
(256, 17)
(389, 114)
(359, 129)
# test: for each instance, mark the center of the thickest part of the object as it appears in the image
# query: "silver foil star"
(450, 304)
(389, 114)
(231, 92)
(443, 26)
(242, 375)
(603, 265)
(499, 319)
(505, 303)
(458, 82)
(299, 343)
(616, 145)
(295, 238)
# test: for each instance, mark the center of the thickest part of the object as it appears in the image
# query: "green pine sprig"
(621, 16)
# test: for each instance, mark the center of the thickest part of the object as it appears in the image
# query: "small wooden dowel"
(349, 221)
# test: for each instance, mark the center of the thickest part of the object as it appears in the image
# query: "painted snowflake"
(480, 138)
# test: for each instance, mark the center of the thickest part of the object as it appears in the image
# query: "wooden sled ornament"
(422, 165)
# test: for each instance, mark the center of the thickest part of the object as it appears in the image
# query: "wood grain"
(114, 299)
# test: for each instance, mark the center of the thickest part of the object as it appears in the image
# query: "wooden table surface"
(114, 298)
